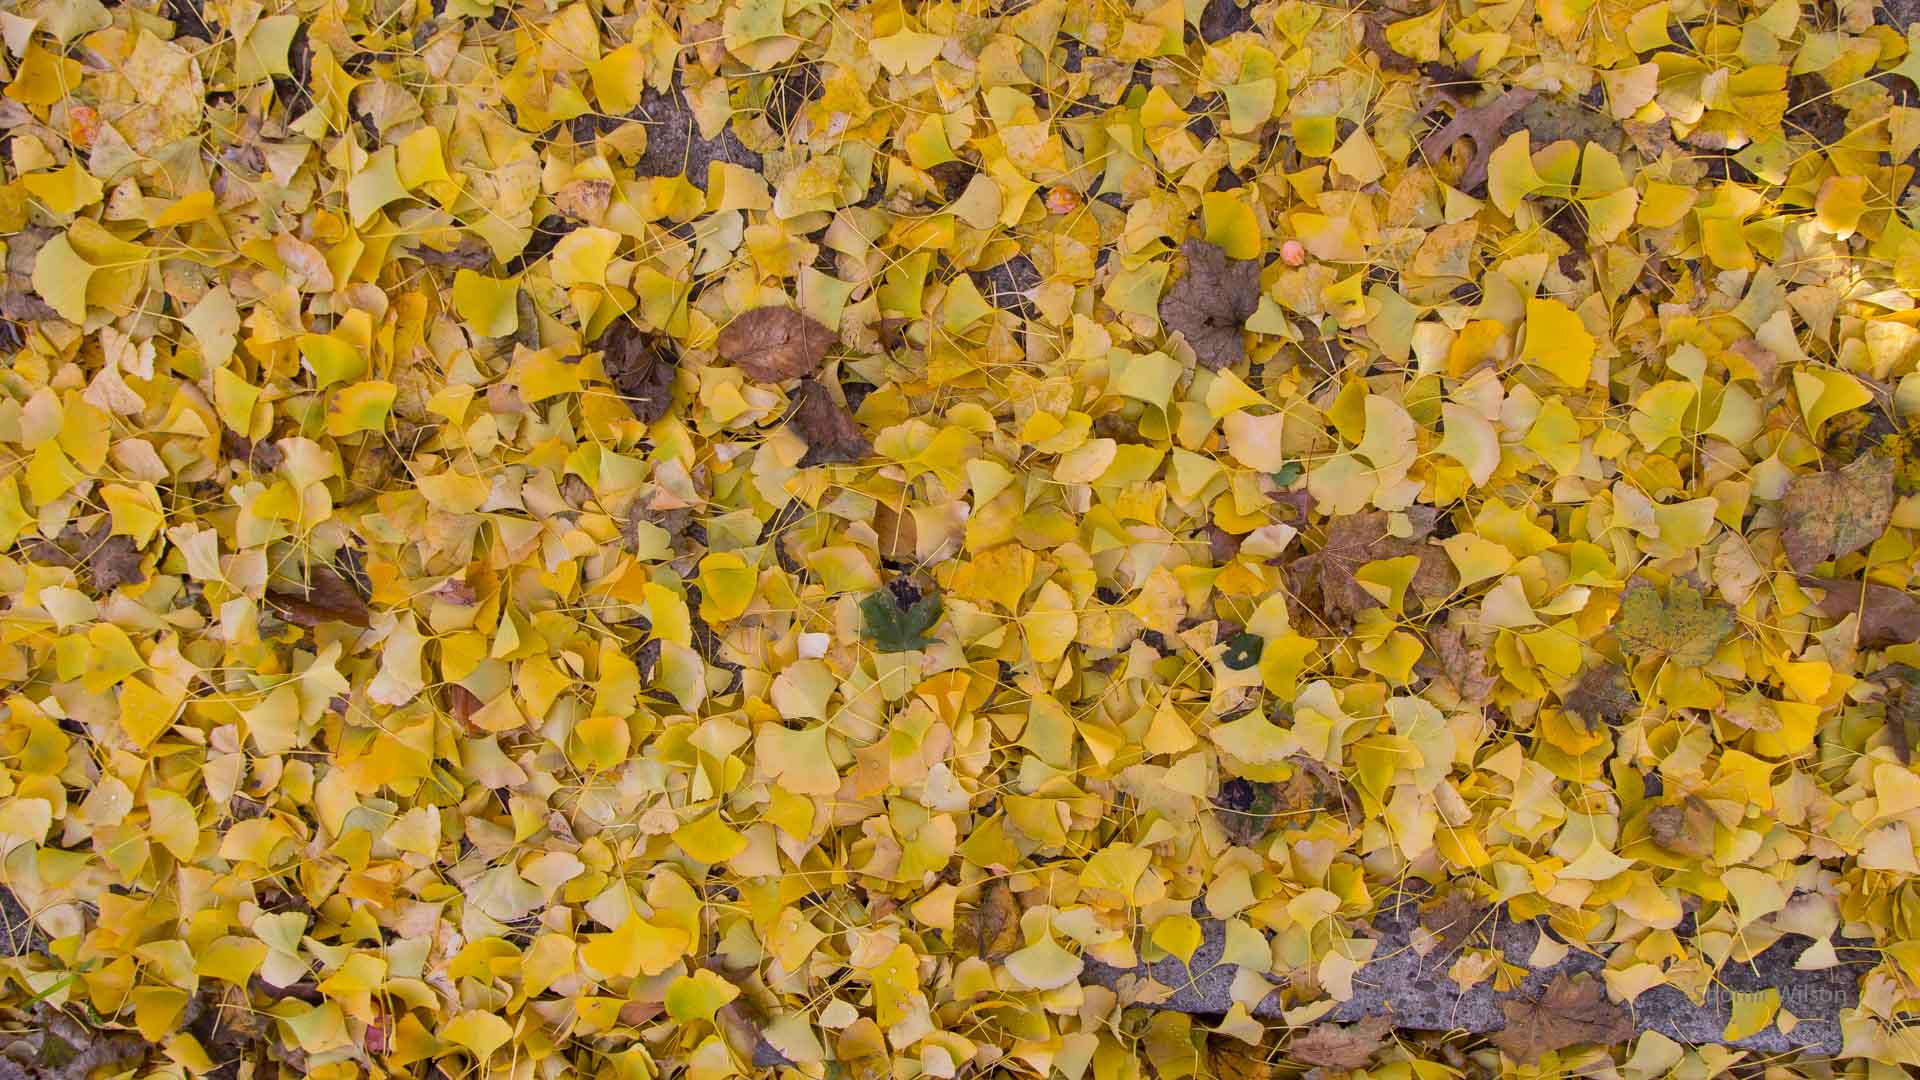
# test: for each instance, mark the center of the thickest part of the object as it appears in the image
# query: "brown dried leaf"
(1464, 665)
(641, 368)
(1211, 301)
(470, 253)
(1831, 514)
(1888, 616)
(1604, 695)
(1482, 124)
(1571, 1012)
(1453, 918)
(1353, 541)
(110, 561)
(775, 343)
(831, 434)
(328, 598)
(1374, 37)
(260, 457)
(1332, 1046)
(997, 920)
(114, 562)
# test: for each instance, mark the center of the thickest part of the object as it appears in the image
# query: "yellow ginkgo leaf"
(1044, 965)
(490, 304)
(61, 277)
(1558, 342)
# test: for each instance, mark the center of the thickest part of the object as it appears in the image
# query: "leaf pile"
(698, 539)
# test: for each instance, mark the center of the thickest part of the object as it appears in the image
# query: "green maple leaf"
(1679, 626)
(899, 616)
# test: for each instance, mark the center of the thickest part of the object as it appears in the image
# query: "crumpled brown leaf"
(1831, 514)
(775, 343)
(1211, 301)
(1333, 1046)
(996, 923)
(1325, 579)
(640, 367)
(1571, 1012)
(830, 431)
(1454, 918)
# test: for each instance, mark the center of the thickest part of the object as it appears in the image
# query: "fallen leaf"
(899, 616)
(1211, 302)
(831, 433)
(641, 368)
(1325, 579)
(1454, 918)
(775, 343)
(1678, 627)
(1603, 697)
(110, 560)
(1888, 616)
(1901, 696)
(1685, 828)
(1573, 1011)
(1482, 124)
(1463, 665)
(1831, 514)
(997, 921)
(1341, 1047)
(329, 597)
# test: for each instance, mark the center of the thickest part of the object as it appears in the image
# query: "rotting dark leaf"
(328, 598)
(471, 253)
(1604, 695)
(1246, 808)
(1888, 616)
(1243, 651)
(831, 433)
(1224, 18)
(114, 562)
(260, 456)
(1835, 513)
(641, 368)
(1573, 1011)
(1341, 1047)
(1211, 302)
(775, 343)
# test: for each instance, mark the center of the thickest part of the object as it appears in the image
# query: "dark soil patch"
(1005, 286)
(1224, 18)
(1811, 109)
(675, 146)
